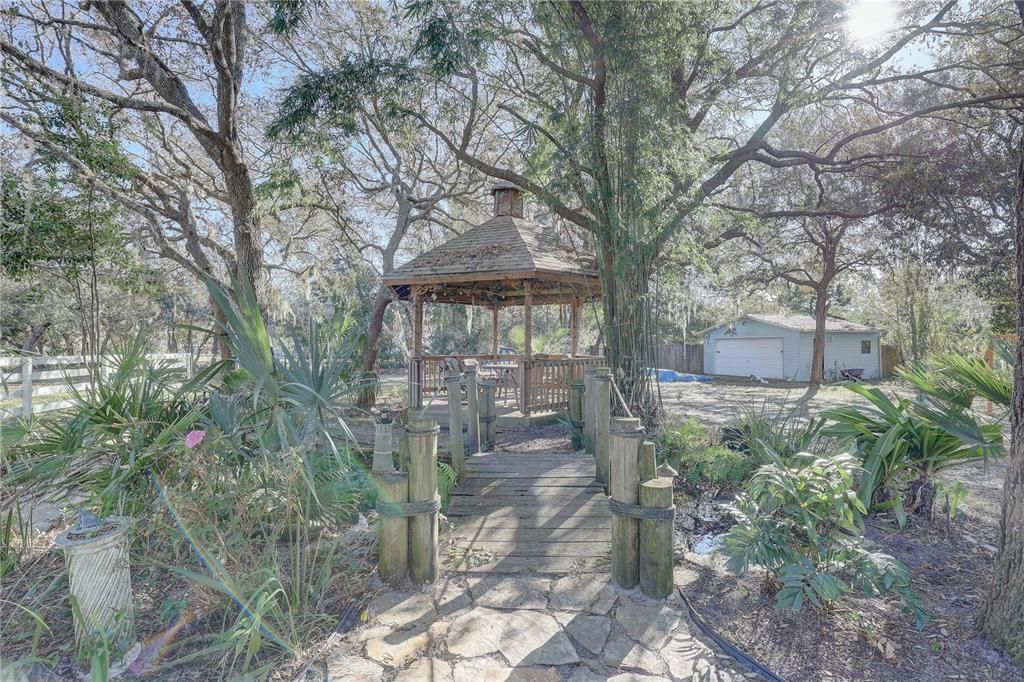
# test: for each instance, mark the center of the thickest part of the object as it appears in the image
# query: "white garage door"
(743, 357)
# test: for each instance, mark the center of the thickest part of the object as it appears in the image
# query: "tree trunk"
(627, 311)
(34, 334)
(820, 315)
(371, 346)
(371, 343)
(1003, 618)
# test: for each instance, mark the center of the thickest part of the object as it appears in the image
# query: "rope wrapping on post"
(400, 509)
(636, 511)
(413, 430)
(627, 432)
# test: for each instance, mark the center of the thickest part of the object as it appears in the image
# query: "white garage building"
(781, 346)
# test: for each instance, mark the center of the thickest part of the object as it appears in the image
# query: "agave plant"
(903, 444)
(291, 401)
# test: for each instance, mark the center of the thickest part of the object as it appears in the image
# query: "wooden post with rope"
(393, 531)
(472, 409)
(456, 445)
(423, 526)
(602, 414)
(656, 539)
(488, 416)
(624, 445)
(648, 462)
(588, 409)
(576, 399)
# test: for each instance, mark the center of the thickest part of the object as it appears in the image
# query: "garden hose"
(744, 659)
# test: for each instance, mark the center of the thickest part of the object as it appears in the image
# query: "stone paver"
(589, 630)
(532, 638)
(489, 669)
(582, 593)
(623, 653)
(650, 623)
(426, 670)
(353, 669)
(476, 633)
(525, 629)
(510, 592)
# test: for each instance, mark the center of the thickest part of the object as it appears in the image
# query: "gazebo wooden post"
(494, 331)
(416, 366)
(527, 346)
(574, 328)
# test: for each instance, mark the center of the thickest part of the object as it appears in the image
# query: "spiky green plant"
(903, 444)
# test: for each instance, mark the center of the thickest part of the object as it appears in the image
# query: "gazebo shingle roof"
(501, 249)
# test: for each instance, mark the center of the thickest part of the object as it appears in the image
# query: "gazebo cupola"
(504, 261)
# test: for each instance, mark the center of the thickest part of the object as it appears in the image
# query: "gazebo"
(505, 261)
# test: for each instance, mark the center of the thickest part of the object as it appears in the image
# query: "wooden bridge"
(522, 512)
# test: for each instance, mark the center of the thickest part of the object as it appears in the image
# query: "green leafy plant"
(687, 448)
(802, 521)
(117, 430)
(780, 431)
(447, 478)
(902, 445)
(574, 434)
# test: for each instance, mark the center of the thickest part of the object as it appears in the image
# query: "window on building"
(865, 347)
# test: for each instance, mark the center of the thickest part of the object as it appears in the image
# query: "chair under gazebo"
(505, 261)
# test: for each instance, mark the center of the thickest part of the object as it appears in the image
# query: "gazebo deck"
(522, 512)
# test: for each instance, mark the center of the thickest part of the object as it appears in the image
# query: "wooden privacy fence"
(687, 358)
(891, 358)
(34, 384)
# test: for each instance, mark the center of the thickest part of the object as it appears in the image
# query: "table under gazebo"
(505, 261)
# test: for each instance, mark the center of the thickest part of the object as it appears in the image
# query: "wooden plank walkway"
(522, 512)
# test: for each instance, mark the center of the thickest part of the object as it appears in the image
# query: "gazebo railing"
(543, 382)
(546, 381)
(432, 368)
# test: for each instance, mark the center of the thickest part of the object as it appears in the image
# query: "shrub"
(902, 445)
(802, 521)
(680, 443)
(250, 507)
(781, 431)
(687, 448)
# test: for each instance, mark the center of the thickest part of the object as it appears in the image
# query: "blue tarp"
(667, 375)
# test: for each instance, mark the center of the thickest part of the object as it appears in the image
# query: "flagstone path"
(490, 628)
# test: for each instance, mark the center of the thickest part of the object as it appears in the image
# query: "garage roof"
(805, 323)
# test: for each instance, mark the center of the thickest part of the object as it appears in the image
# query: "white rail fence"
(34, 384)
